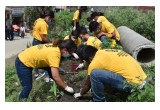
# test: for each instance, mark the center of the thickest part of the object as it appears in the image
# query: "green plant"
(107, 45)
(11, 84)
(55, 91)
(141, 22)
(147, 94)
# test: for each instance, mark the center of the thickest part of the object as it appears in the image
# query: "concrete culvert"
(142, 49)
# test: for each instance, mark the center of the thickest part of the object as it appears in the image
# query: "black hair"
(88, 52)
(94, 14)
(83, 30)
(80, 52)
(89, 19)
(74, 33)
(68, 44)
(93, 26)
(82, 9)
(47, 13)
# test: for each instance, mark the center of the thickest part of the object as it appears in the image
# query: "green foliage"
(62, 25)
(141, 22)
(11, 84)
(39, 93)
(34, 12)
(147, 94)
(63, 20)
(55, 91)
(107, 45)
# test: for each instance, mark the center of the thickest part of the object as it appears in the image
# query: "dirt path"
(12, 48)
(10, 61)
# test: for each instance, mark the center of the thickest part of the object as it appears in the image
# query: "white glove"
(69, 89)
(74, 28)
(77, 95)
(80, 66)
(75, 55)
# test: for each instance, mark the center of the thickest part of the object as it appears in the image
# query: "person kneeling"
(110, 67)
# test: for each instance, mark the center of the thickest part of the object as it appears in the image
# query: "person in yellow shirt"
(98, 16)
(43, 56)
(40, 28)
(40, 32)
(110, 67)
(75, 37)
(103, 30)
(89, 40)
(77, 16)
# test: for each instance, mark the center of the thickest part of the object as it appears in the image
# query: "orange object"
(16, 27)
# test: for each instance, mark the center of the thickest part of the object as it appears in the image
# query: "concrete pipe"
(142, 49)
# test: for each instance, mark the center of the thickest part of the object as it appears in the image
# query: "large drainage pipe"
(141, 49)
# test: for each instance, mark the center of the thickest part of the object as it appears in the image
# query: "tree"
(34, 12)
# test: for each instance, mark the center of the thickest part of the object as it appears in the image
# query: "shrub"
(147, 94)
(141, 22)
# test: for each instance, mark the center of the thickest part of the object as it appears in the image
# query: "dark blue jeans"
(25, 77)
(101, 78)
(103, 38)
(36, 42)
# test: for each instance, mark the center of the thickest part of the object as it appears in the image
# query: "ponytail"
(57, 42)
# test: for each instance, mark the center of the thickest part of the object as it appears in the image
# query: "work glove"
(69, 89)
(77, 95)
(80, 66)
(74, 28)
(75, 55)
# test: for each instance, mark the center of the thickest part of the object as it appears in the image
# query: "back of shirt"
(95, 42)
(78, 41)
(42, 55)
(119, 62)
(76, 16)
(40, 27)
(107, 26)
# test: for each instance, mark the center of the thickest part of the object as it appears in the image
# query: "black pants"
(77, 25)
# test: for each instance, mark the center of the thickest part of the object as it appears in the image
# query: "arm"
(44, 38)
(57, 78)
(74, 23)
(86, 86)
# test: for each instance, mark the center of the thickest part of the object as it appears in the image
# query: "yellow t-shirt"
(76, 16)
(108, 28)
(102, 19)
(40, 27)
(118, 62)
(78, 41)
(94, 41)
(42, 55)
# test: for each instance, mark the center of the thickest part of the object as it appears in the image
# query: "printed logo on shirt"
(111, 50)
(40, 46)
(48, 45)
(122, 53)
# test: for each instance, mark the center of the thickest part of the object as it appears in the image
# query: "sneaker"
(47, 80)
(39, 76)
(51, 80)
